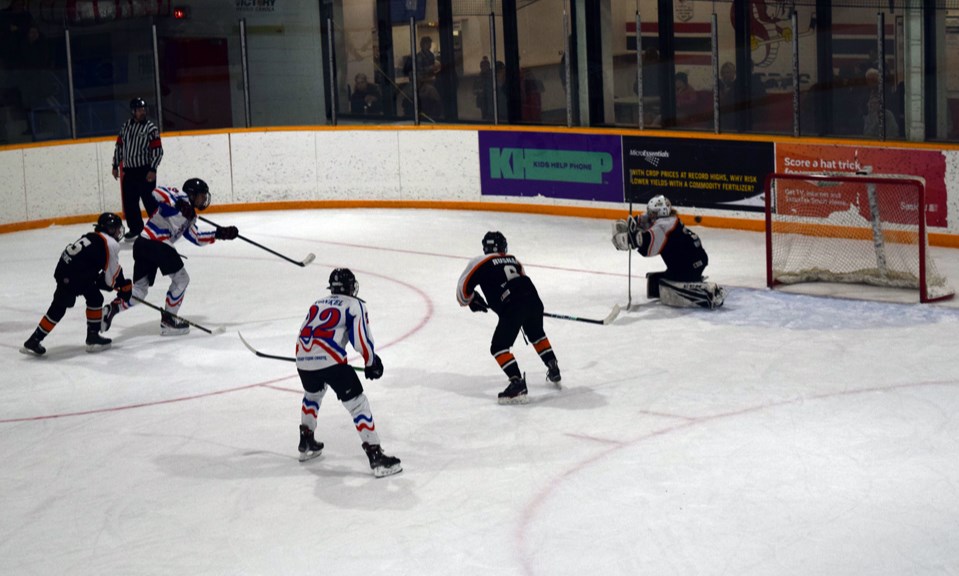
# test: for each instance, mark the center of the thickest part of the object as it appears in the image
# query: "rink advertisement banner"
(721, 174)
(567, 166)
(831, 158)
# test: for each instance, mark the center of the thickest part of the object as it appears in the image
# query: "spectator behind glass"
(365, 98)
(483, 89)
(685, 98)
(871, 127)
(427, 68)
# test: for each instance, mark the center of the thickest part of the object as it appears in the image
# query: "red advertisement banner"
(832, 158)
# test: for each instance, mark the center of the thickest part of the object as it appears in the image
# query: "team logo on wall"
(684, 10)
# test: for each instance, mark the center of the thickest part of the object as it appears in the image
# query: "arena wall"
(318, 167)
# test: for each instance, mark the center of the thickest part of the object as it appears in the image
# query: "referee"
(137, 155)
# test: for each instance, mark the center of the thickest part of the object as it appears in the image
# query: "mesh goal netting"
(852, 229)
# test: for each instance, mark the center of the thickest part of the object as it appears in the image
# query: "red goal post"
(850, 228)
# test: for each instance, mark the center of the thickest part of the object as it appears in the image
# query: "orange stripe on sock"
(505, 358)
(94, 314)
(47, 325)
(542, 345)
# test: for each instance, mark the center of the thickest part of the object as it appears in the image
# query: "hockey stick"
(302, 263)
(609, 318)
(217, 330)
(274, 356)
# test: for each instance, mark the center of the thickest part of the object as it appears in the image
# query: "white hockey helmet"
(659, 207)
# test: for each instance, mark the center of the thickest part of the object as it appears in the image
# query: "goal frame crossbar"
(825, 179)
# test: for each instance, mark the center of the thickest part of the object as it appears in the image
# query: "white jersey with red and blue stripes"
(331, 323)
(168, 225)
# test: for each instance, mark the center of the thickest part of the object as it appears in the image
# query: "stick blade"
(309, 258)
(245, 343)
(218, 330)
(612, 314)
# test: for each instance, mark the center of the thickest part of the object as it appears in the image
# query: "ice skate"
(109, 313)
(172, 326)
(381, 464)
(309, 448)
(97, 343)
(552, 373)
(33, 347)
(515, 393)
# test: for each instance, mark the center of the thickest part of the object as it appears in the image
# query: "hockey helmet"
(198, 192)
(110, 223)
(342, 281)
(137, 103)
(659, 207)
(494, 243)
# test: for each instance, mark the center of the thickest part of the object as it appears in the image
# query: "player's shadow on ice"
(572, 396)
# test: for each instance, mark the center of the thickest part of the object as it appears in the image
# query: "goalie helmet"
(494, 243)
(109, 223)
(198, 192)
(659, 207)
(342, 281)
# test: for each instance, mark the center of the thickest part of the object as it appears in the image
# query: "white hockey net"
(850, 228)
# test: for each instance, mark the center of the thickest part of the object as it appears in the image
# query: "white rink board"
(273, 166)
(206, 157)
(62, 181)
(13, 207)
(361, 164)
(278, 165)
(439, 165)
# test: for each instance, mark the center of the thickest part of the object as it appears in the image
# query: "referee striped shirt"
(138, 145)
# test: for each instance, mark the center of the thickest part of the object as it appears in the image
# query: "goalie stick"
(277, 357)
(608, 319)
(301, 263)
(217, 330)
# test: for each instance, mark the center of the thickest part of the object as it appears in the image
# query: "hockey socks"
(359, 408)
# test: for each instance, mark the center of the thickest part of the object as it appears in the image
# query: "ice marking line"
(536, 503)
(143, 404)
(267, 384)
(595, 439)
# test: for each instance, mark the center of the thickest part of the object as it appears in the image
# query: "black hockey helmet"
(494, 243)
(198, 192)
(110, 223)
(137, 103)
(342, 281)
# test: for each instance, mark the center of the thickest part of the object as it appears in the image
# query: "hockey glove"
(374, 370)
(125, 290)
(639, 223)
(227, 233)
(186, 209)
(477, 304)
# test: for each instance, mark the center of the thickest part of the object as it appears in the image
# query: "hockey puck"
(698, 219)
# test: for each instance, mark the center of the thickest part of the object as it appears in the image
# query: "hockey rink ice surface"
(785, 434)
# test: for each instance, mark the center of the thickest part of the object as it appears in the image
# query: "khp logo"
(575, 166)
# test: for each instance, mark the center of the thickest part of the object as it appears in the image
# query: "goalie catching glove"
(227, 233)
(477, 304)
(374, 370)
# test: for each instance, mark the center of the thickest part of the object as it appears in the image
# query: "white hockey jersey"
(168, 225)
(331, 323)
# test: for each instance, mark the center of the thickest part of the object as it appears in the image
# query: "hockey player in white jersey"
(331, 323)
(660, 232)
(174, 218)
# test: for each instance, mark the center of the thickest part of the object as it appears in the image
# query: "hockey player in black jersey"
(511, 294)
(660, 232)
(86, 267)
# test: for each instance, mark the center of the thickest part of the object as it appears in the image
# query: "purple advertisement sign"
(569, 166)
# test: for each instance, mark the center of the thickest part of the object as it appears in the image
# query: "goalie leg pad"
(691, 294)
(652, 284)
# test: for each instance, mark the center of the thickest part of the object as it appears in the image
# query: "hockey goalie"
(660, 232)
